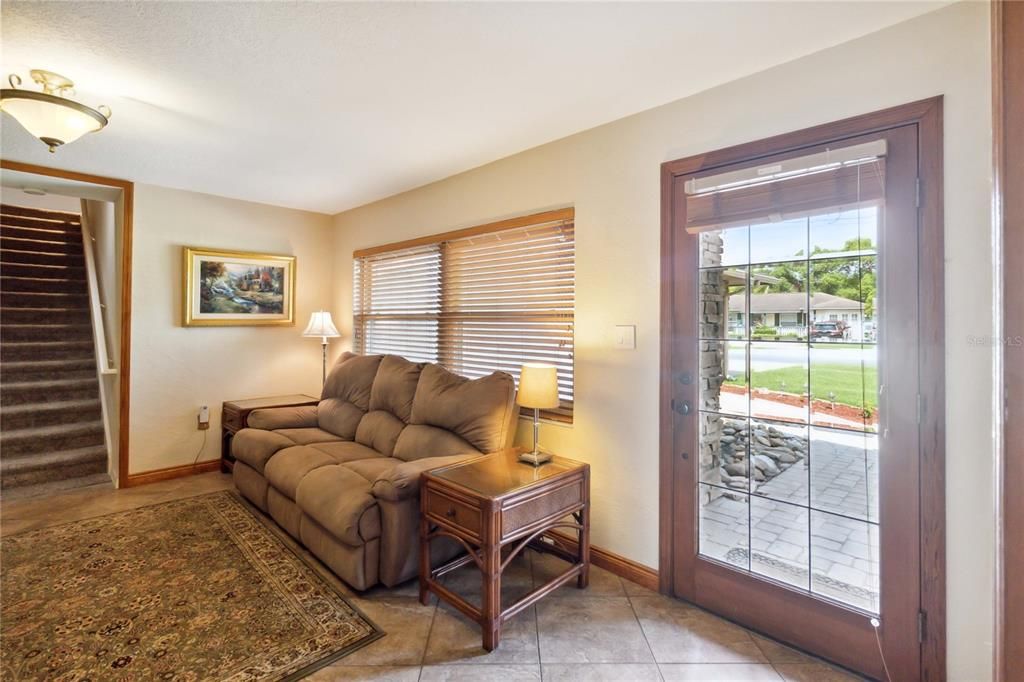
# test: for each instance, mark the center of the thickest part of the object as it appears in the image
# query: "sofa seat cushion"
(255, 446)
(372, 469)
(418, 441)
(289, 466)
(308, 435)
(339, 499)
(477, 410)
(347, 451)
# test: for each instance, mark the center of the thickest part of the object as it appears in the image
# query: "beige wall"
(611, 176)
(176, 369)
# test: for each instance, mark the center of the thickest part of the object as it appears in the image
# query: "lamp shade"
(538, 386)
(320, 324)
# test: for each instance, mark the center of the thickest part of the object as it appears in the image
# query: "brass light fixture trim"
(53, 126)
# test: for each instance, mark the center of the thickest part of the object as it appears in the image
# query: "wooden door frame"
(927, 116)
(124, 368)
(1008, 214)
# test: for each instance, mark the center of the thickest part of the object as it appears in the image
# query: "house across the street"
(787, 312)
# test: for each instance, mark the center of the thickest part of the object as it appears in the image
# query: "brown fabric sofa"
(342, 477)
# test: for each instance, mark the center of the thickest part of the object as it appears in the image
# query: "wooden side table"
(235, 416)
(495, 503)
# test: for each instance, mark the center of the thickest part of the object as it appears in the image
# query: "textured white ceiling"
(326, 106)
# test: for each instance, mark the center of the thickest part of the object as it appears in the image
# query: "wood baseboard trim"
(170, 472)
(644, 576)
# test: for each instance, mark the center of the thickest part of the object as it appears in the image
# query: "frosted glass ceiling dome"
(50, 115)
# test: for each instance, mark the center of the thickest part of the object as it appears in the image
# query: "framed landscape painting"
(234, 288)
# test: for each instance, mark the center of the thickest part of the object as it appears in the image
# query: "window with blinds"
(477, 300)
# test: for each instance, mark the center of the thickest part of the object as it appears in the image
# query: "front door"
(794, 392)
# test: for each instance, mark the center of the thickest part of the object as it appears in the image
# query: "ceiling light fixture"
(50, 115)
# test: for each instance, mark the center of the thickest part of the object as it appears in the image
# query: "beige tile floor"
(614, 630)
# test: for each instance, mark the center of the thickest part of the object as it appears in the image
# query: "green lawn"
(849, 383)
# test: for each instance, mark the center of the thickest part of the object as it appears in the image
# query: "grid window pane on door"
(477, 304)
(787, 341)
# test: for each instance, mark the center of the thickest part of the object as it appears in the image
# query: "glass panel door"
(789, 416)
(794, 384)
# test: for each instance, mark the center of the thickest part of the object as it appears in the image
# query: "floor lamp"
(320, 324)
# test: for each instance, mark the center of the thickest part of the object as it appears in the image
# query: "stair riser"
(46, 286)
(34, 351)
(43, 221)
(42, 258)
(53, 473)
(21, 232)
(40, 246)
(28, 446)
(42, 271)
(30, 299)
(31, 316)
(9, 396)
(34, 419)
(10, 332)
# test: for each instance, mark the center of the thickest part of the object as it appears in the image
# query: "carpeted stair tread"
(43, 270)
(51, 412)
(42, 299)
(31, 442)
(41, 258)
(22, 392)
(43, 315)
(92, 454)
(45, 350)
(47, 285)
(36, 230)
(47, 365)
(39, 245)
(100, 480)
(31, 332)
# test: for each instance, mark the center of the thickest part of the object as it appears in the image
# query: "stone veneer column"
(713, 321)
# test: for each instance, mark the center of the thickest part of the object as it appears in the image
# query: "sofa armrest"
(403, 481)
(273, 418)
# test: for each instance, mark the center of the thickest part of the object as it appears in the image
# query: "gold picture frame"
(237, 288)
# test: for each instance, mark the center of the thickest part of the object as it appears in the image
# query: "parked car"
(830, 330)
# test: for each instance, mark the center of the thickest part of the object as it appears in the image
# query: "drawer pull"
(450, 513)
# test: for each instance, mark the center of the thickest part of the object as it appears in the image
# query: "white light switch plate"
(625, 337)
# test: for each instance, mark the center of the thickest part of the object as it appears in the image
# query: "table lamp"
(538, 388)
(320, 324)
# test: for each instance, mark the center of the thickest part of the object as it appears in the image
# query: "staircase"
(51, 423)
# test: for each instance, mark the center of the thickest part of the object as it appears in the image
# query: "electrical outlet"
(203, 418)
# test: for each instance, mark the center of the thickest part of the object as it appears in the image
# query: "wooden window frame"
(927, 116)
(562, 414)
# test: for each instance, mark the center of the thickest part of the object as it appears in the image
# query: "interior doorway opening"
(67, 298)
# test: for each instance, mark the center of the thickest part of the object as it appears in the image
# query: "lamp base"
(535, 458)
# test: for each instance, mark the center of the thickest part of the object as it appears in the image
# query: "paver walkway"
(811, 526)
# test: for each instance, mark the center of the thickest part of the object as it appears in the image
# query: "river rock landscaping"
(757, 451)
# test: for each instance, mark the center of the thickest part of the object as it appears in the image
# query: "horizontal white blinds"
(397, 303)
(475, 304)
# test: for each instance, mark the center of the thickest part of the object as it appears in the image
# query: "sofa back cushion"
(394, 386)
(419, 440)
(478, 411)
(379, 429)
(346, 395)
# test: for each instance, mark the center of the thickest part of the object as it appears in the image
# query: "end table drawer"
(453, 512)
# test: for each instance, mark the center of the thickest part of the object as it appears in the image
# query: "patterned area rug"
(195, 589)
